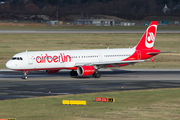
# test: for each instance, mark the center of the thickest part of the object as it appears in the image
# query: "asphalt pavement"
(41, 84)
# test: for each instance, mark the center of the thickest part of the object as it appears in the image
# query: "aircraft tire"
(97, 75)
(73, 73)
(24, 77)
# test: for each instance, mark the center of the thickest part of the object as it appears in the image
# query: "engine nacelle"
(52, 71)
(85, 70)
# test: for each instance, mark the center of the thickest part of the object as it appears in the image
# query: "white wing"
(109, 63)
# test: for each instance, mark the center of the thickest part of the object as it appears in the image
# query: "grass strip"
(139, 104)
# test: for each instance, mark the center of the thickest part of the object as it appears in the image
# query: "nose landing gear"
(25, 75)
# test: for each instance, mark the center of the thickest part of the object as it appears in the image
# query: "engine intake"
(85, 70)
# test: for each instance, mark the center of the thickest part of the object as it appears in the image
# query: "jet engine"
(85, 70)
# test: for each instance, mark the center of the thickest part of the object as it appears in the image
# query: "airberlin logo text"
(56, 58)
(150, 36)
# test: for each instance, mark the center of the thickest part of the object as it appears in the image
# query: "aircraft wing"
(110, 63)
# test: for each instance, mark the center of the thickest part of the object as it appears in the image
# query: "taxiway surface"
(42, 84)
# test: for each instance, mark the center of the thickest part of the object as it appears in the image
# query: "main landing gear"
(73, 73)
(96, 74)
(25, 75)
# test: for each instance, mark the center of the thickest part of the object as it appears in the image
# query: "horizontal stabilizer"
(154, 53)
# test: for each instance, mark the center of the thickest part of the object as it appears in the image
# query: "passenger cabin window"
(16, 58)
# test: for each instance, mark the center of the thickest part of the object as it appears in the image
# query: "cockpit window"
(16, 58)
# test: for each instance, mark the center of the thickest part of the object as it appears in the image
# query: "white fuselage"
(64, 59)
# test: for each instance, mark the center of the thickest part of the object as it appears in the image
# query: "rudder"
(147, 40)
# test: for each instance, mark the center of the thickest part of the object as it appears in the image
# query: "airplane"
(86, 62)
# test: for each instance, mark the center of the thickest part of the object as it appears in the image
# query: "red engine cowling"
(52, 71)
(85, 70)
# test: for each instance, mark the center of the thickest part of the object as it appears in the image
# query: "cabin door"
(100, 56)
(30, 59)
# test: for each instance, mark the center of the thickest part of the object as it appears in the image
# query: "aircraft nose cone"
(9, 64)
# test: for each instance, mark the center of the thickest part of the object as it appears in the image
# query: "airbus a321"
(86, 62)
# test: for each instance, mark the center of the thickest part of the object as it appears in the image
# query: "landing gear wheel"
(73, 73)
(25, 75)
(97, 75)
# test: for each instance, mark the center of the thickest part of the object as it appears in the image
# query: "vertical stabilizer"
(147, 40)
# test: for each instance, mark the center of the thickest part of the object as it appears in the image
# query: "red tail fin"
(147, 40)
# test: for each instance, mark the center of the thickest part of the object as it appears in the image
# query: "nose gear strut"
(25, 75)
